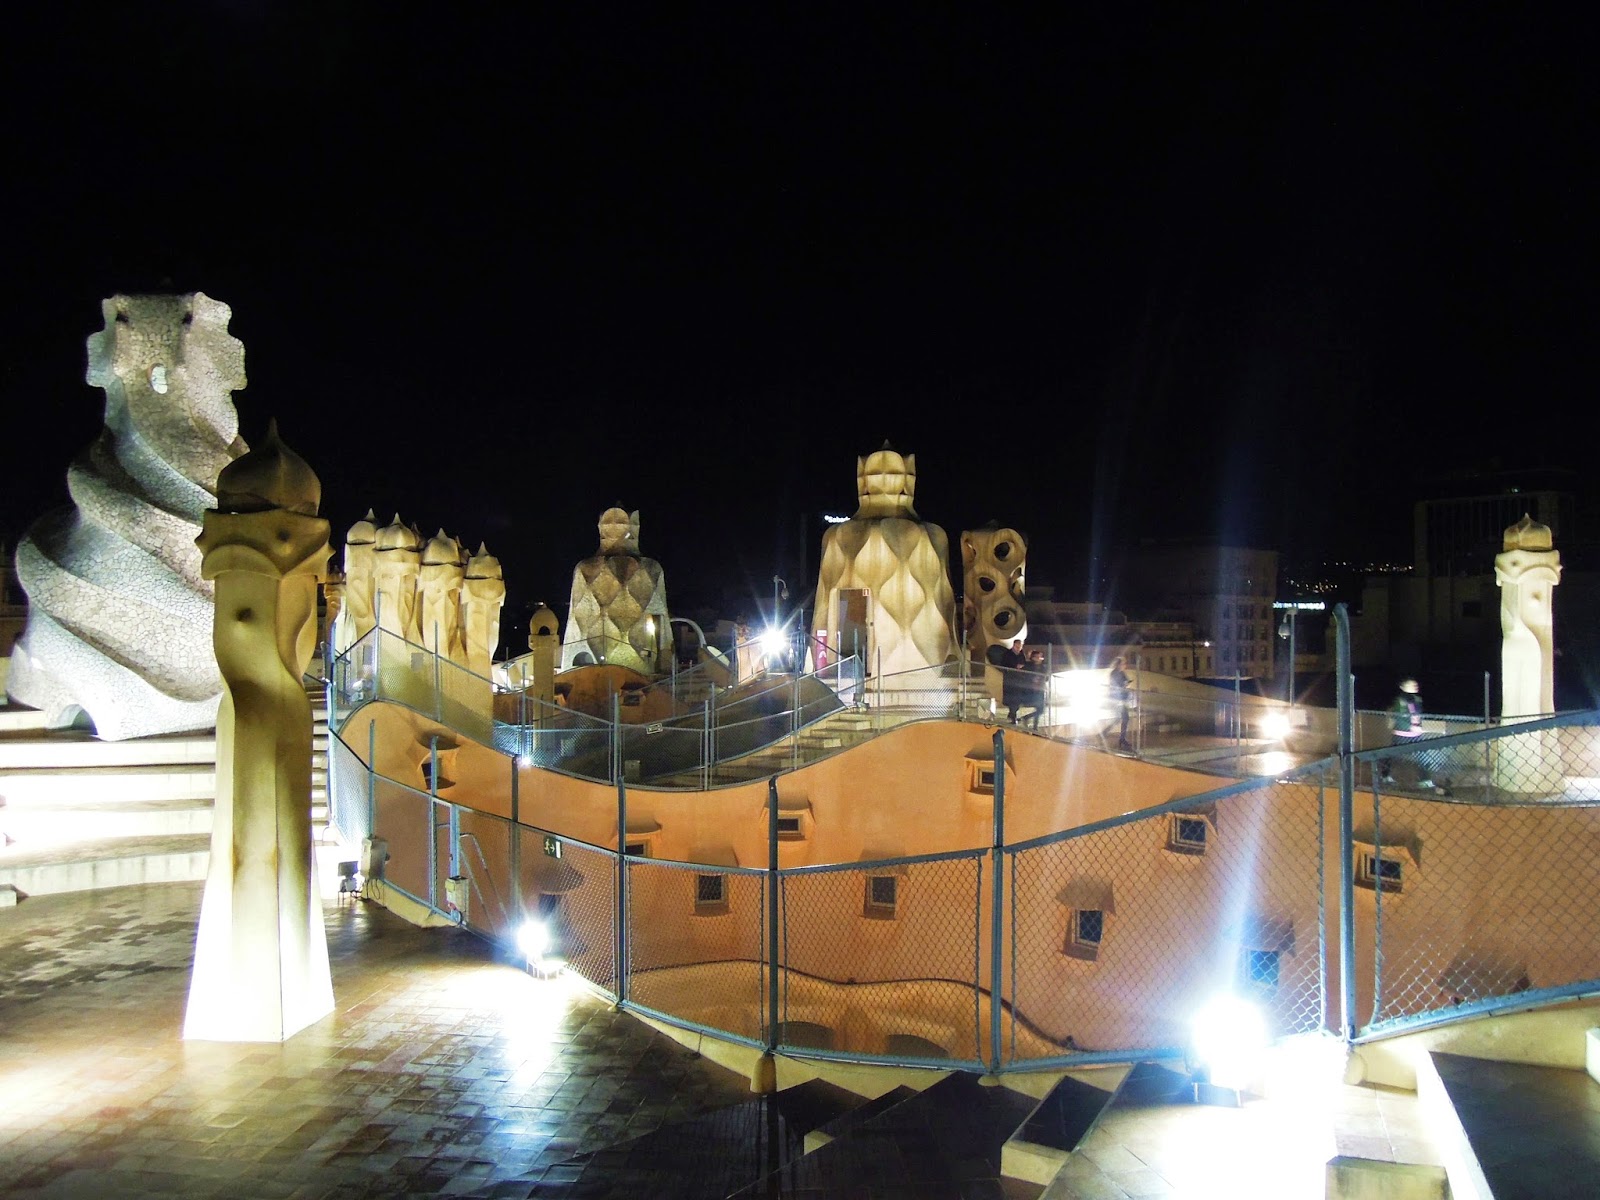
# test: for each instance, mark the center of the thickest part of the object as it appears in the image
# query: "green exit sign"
(552, 847)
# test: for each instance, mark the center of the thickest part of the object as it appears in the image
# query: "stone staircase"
(952, 1134)
(77, 814)
(1516, 1131)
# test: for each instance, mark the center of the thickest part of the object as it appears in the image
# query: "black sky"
(1243, 271)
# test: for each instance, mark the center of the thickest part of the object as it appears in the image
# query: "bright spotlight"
(1230, 1040)
(773, 643)
(1275, 725)
(533, 939)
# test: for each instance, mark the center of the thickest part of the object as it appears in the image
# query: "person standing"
(1038, 683)
(1120, 686)
(1406, 714)
(1012, 687)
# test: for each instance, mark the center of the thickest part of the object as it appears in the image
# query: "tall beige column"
(482, 595)
(360, 546)
(397, 558)
(261, 958)
(1527, 570)
(544, 644)
(439, 594)
(332, 601)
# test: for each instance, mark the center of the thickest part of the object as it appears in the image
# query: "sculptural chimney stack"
(261, 958)
(1527, 570)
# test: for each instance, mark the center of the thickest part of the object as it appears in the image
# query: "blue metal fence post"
(516, 843)
(620, 948)
(433, 822)
(1347, 777)
(616, 737)
(998, 886)
(372, 779)
(772, 915)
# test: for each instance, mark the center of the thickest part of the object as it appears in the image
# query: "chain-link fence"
(349, 806)
(696, 938)
(571, 887)
(1472, 877)
(880, 961)
(402, 818)
(1475, 873)
(483, 863)
(1121, 931)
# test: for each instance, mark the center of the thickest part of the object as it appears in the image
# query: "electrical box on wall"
(457, 894)
(374, 853)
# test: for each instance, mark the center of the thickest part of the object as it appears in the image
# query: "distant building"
(1441, 618)
(1089, 636)
(1223, 594)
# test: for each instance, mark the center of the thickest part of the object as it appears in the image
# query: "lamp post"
(1292, 609)
(1286, 629)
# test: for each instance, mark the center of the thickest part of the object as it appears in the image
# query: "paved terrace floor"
(448, 1071)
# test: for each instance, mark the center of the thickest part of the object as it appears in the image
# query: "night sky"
(1239, 271)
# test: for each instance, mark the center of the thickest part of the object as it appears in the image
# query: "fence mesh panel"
(485, 862)
(695, 937)
(354, 679)
(574, 892)
(663, 749)
(1467, 891)
(1121, 934)
(882, 960)
(348, 811)
(1501, 765)
(403, 818)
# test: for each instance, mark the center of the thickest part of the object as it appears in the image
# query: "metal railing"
(1372, 890)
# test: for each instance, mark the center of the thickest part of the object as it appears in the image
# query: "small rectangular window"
(1187, 835)
(981, 779)
(711, 893)
(883, 896)
(637, 849)
(1088, 924)
(789, 829)
(1259, 969)
(1378, 873)
(1085, 928)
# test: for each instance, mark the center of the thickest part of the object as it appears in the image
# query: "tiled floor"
(447, 1072)
(442, 1072)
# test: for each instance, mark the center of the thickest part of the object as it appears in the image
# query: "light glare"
(1230, 1038)
(1275, 725)
(533, 939)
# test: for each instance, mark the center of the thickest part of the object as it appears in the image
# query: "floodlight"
(533, 939)
(1229, 1037)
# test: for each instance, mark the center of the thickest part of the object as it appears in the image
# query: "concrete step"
(20, 787)
(104, 863)
(73, 749)
(64, 821)
(1512, 1130)
(1040, 1147)
(14, 718)
(954, 1129)
(841, 1125)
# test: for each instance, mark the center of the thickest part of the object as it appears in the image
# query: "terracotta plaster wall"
(1502, 884)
